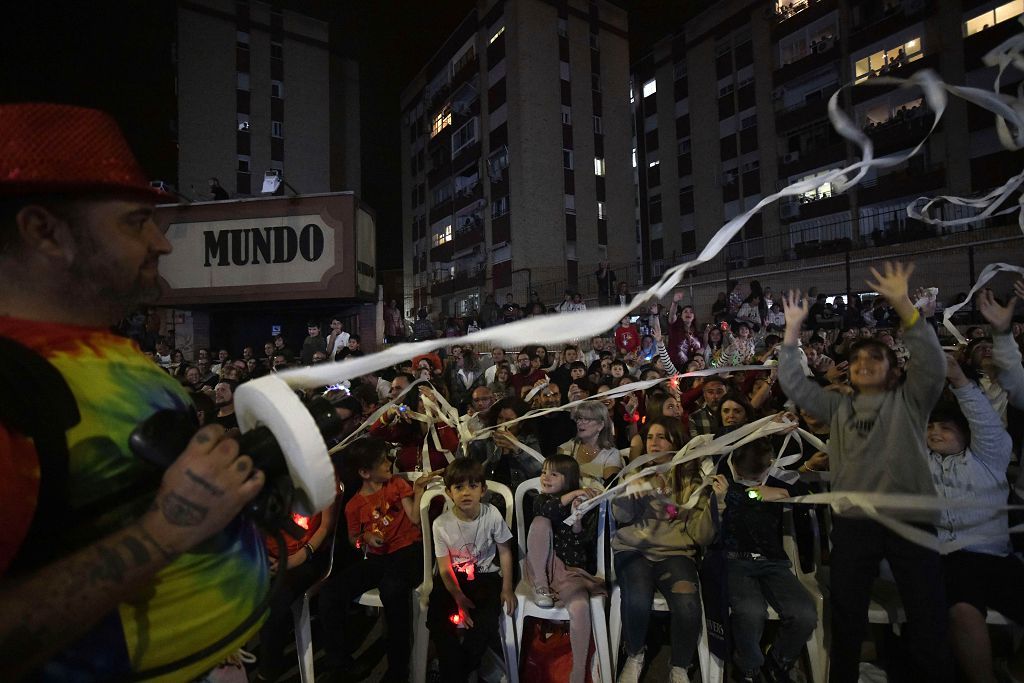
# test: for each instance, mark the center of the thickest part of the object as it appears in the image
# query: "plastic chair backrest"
(534, 485)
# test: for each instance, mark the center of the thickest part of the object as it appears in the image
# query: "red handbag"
(547, 652)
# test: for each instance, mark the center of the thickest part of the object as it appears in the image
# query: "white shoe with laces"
(543, 597)
(678, 675)
(631, 670)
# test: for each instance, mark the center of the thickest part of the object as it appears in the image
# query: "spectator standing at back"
(605, 278)
(622, 295)
(489, 313)
(423, 328)
(394, 325)
(312, 343)
(338, 339)
(511, 311)
(217, 193)
(627, 337)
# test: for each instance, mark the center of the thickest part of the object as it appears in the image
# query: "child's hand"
(795, 309)
(955, 373)
(465, 604)
(893, 285)
(817, 462)
(837, 372)
(373, 539)
(998, 316)
(677, 297)
(424, 480)
(719, 484)
(508, 599)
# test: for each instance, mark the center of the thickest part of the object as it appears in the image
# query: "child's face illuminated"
(551, 482)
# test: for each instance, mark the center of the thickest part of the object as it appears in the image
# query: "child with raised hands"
(559, 557)
(465, 605)
(877, 445)
(1005, 352)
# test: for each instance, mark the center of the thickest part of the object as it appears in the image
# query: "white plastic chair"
(526, 607)
(711, 667)
(300, 614)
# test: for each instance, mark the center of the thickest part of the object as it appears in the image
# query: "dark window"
(563, 49)
(569, 181)
(602, 231)
(728, 147)
(681, 88)
(498, 137)
(731, 190)
(423, 194)
(599, 145)
(496, 51)
(276, 51)
(600, 187)
(685, 201)
(596, 97)
(242, 58)
(595, 82)
(243, 183)
(651, 140)
(745, 95)
(726, 107)
(566, 93)
(657, 249)
(277, 149)
(412, 198)
(413, 132)
(570, 227)
(242, 98)
(654, 210)
(685, 162)
(751, 183)
(496, 95)
(723, 65)
(276, 69)
(744, 55)
(650, 104)
(689, 241)
(566, 136)
(243, 142)
(748, 140)
(276, 109)
(595, 61)
(683, 126)
(654, 175)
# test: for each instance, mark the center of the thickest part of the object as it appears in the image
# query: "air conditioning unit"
(790, 157)
(789, 209)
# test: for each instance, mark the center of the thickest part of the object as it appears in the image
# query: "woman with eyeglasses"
(594, 446)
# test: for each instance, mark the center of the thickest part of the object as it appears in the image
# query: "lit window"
(496, 35)
(441, 121)
(991, 17)
(442, 235)
(602, 213)
(598, 166)
(884, 61)
(650, 87)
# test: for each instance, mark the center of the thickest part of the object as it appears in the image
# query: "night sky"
(116, 55)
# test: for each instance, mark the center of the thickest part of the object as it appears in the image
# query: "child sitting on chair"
(758, 569)
(467, 601)
(558, 556)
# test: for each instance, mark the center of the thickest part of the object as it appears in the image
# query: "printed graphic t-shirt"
(197, 599)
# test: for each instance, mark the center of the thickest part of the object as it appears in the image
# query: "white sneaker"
(678, 675)
(631, 670)
(543, 597)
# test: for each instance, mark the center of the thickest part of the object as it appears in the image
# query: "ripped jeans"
(676, 579)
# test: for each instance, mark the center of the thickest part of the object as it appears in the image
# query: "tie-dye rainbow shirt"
(199, 597)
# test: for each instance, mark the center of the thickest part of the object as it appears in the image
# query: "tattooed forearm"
(108, 566)
(180, 511)
(203, 483)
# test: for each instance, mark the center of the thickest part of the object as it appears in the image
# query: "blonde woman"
(594, 446)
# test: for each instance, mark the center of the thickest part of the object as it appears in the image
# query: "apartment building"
(516, 170)
(733, 105)
(260, 89)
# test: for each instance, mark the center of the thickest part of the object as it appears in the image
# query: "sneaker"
(631, 670)
(544, 597)
(678, 675)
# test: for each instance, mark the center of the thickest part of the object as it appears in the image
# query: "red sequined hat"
(48, 148)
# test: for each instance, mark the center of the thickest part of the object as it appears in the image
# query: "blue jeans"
(676, 578)
(752, 583)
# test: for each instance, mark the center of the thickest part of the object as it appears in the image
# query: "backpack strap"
(36, 401)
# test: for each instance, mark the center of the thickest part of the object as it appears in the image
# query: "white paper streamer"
(989, 272)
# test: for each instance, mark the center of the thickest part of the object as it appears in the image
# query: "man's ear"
(41, 231)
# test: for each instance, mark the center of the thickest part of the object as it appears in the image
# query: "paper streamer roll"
(269, 402)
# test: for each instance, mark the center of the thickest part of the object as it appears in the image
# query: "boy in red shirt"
(383, 522)
(627, 337)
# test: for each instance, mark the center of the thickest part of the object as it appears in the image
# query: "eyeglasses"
(585, 419)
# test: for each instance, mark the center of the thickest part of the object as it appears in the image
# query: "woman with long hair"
(655, 547)
(503, 459)
(658, 405)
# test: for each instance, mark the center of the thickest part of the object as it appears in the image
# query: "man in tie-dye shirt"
(145, 570)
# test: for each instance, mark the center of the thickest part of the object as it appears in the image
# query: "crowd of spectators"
(745, 329)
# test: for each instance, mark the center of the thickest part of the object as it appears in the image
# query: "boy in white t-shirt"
(467, 602)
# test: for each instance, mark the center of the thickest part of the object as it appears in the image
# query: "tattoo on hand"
(181, 511)
(202, 438)
(153, 542)
(241, 465)
(137, 549)
(203, 483)
(110, 566)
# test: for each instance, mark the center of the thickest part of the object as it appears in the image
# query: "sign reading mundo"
(247, 252)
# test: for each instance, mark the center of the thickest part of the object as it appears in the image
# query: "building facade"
(733, 106)
(516, 172)
(259, 89)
